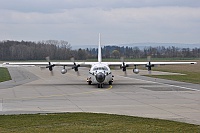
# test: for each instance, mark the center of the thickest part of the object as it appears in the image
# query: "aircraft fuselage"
(100, 74)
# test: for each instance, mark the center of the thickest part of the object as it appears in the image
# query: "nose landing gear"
(100, 85)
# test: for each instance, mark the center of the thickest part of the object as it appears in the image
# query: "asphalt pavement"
(34, 91)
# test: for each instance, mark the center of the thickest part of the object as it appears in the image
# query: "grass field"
(192, 72)
(4, 74)
(89, 123)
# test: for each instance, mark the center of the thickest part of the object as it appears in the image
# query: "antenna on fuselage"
(99, 50)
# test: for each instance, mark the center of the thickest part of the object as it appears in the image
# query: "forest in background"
(62, 50)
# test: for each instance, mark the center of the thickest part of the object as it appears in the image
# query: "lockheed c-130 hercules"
(100, 72)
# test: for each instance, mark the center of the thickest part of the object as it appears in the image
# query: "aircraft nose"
(100, 77)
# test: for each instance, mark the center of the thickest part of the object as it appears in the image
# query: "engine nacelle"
(136, 71)
(63, 71)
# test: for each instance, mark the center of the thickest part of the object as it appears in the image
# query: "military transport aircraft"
(99, 72)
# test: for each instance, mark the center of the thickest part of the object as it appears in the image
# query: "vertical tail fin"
(99, 50)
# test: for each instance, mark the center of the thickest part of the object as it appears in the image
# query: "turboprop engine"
(63, 71)
(136, 71)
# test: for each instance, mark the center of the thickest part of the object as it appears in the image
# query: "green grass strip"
(89, 123)
(190, 77)
(4, 74)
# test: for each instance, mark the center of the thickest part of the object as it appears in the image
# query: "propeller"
(123, 67)
(43, 67)
(75, 67)
(149, 65)
(50, 66)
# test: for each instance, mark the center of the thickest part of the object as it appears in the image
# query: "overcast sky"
(119, 21)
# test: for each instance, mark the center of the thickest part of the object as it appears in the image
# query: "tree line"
(155, 52)
(61, 50)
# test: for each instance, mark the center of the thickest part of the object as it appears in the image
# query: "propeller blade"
(149, 72)
(48, 58)
(78, 74)
(73, 60)
(149, 65)
(75, 67)
(117, 68)
(52, 73)
(122, 59)
(70, 68)
(148, 58)
(124, 66)
(125, 74)
(42, 68)
(50, 66)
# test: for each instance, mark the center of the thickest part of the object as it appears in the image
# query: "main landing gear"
(89, 82)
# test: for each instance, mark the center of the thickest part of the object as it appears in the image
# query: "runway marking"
(182, 87)
(73, 94)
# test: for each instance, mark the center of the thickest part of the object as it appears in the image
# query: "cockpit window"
(100, 68)
(105, 68)
(95, 69)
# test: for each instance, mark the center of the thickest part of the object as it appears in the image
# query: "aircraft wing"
(86, 64)
(82, 64)
(172, 63)
(146, 63)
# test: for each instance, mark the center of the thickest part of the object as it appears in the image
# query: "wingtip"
(5, 63)
(193, 63)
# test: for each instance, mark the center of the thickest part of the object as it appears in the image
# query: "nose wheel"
(100, 85)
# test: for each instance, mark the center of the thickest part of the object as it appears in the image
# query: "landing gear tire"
(89, 82)
(110, 82)
(100, 85)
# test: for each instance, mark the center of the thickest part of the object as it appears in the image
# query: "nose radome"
(100, 77)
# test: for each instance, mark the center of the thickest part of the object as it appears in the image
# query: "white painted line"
(162, 84)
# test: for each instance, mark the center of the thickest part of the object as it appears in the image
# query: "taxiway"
(34, 91)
